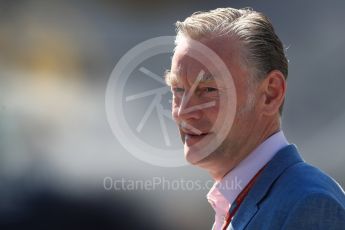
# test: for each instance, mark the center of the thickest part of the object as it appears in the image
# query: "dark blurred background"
(56, 146)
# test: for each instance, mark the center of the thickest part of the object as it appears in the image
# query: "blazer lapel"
(285, 158)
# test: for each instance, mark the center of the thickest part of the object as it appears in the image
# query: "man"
(278, 190)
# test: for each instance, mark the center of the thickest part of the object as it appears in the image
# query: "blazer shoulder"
(308, 179)
(316, 210)
(302, 181)
(304, 197)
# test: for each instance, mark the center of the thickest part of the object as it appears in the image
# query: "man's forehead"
(176, 77)
(204, 76)
(190, 67)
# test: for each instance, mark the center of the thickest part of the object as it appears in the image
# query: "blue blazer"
(291, 194)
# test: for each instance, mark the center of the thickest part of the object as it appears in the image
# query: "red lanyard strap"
(239, 199)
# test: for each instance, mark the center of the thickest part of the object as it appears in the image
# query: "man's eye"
(208, 92)
(177, 90)
(210, 89)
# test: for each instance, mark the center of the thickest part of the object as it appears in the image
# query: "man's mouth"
(192, 138)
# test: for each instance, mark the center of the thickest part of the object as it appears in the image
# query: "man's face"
(197, 95)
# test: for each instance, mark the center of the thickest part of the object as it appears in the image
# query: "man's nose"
(188, 108)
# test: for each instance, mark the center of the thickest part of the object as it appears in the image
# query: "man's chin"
(193, 155)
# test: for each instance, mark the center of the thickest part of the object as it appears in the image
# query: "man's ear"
(273, 89)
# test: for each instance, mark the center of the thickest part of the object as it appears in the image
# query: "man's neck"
(230, 161)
